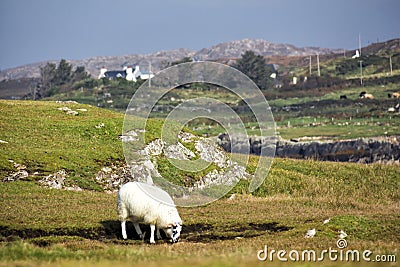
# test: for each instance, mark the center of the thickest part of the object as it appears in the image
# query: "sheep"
(364, 94)
(141, 202)
(396, 95)
(343, 96)
(368, 96)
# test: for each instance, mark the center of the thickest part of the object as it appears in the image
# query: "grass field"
(48, 227)
(51, 227)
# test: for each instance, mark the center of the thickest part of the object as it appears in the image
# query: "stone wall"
(362, 150)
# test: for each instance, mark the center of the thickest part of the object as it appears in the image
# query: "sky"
(39, 30)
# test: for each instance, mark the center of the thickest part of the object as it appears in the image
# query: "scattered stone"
(64, 109)
(186, 137)
(310, 233)
(20, 174)
(178, 151)
(129, 136)
(228, 176)
(106, 169)
(19, 166)
(72, 112)
(55, 180)
(68, 111)
(66, 102)
(210, 152)
(111, 178)
(155, 148)
(100, 125)
(73, 188)
(3, 142)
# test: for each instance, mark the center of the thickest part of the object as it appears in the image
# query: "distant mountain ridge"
(232, 49)
(94, 64)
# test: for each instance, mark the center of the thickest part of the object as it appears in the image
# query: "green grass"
(39, 226)
(338, 129)
(47, 227)
(46, 139)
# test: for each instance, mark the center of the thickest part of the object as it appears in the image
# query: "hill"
(94, 64)
(235, 49)
(160, 58)
(41, 226)
(337, 70)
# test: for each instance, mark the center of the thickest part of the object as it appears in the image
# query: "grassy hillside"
(47, 227)
(47, 139)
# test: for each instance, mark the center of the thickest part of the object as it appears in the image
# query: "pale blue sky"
(39, 30)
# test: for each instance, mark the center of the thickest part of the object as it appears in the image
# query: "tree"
(80, 74)
(55, 78)
(63, 73)
(255, 67)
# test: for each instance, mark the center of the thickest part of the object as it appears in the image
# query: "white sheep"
(141, 202)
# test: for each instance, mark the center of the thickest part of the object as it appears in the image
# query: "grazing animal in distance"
(364, 94)
(141, 202)
(396, 95)
(343, 97)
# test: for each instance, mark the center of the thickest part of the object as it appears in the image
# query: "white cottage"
(128, 73)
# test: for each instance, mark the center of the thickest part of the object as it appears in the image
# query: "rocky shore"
(362, 150)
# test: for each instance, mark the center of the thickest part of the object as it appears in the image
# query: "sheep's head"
(174, 231)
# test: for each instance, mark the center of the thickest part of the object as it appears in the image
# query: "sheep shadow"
(206, 233)
(112, 230)
(200, 232)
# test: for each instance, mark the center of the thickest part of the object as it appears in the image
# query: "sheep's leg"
(138, 231)
(152, 228)
(123, 215)
(123, 227)
(158, 234)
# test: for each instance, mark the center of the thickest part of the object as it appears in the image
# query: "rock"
(64, 109)
(111, 178)
(68, 111)
(178, 151)
(72, 112)
(55, 180)
(129, 136)
(210, 152)
(20, 174)
(155, 148)
(362, 150)
(106, 169)
(186, 137)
